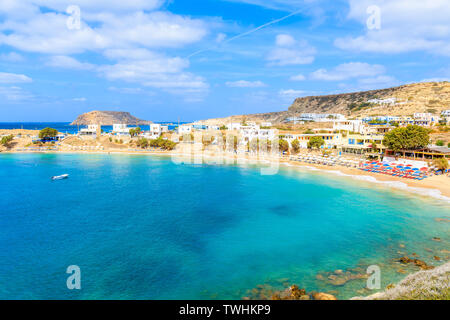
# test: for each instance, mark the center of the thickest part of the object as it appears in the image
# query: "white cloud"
(382, 81)
(127, 90)
(406, 25)
(68, 63)
(14, 94)
(128, 33)
(284, 5)
(291, 94)
(436, 80)
(26, 8)
(285, 40)
(48, 32)
(221, 37)
(80, 99)
(14, 78)
(154, 70)
(11, 57)
(245, 84)
(298, 77)
(348, 71)
(289, 51)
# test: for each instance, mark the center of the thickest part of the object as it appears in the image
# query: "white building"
(157, 129)
(250, 133)
(91, 130)
(422, 115)
(266, 124)
(234, 126)
(388, 101)
(184, 129)
(348, 125)
(446, 113)
(317, 117)
(425, 119)
(120, 129)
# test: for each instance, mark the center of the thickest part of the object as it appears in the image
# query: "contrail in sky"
(248, 32)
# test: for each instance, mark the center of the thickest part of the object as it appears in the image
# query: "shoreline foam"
(439, 192)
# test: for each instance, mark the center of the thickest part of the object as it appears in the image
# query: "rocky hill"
(108, 118)
(432, 97)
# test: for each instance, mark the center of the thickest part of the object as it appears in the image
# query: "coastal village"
(412, 149)
(315, 138)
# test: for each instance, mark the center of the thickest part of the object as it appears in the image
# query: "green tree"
(135, 132)
(6, 140)
(316, 142)
(295, 146)
(440, 143)
(168, 145)
(441, 163)
(142, 143)
(48, 133)
(411, 137)
(309, 131)
(374, 146)
(283, 145)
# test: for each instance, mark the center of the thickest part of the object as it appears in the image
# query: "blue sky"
(197, 59)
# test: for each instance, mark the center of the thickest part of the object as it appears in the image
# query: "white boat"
(63, 176)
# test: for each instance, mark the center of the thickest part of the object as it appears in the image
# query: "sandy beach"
(435, 186)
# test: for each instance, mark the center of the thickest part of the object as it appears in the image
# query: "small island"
(108, 118)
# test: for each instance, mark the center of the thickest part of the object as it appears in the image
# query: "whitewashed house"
(234, 126)
(349, 125)
(120, 129)
(184, 129)
(156, 129)
(91, 130)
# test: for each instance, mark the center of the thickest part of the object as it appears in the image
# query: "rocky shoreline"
(431, 284)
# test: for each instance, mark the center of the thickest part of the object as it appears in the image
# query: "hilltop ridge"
(431, 97)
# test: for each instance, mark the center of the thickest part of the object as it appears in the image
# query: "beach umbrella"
(415, 169)
(423, 169)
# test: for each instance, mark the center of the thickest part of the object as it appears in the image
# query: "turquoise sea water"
(143, 227)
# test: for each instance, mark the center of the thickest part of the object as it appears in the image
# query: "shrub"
(283, 145)
(295, 146)
(6, 140)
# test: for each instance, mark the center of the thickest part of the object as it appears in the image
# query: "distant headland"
(108, 118)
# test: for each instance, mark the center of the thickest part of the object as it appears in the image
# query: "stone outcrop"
(266, 292)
